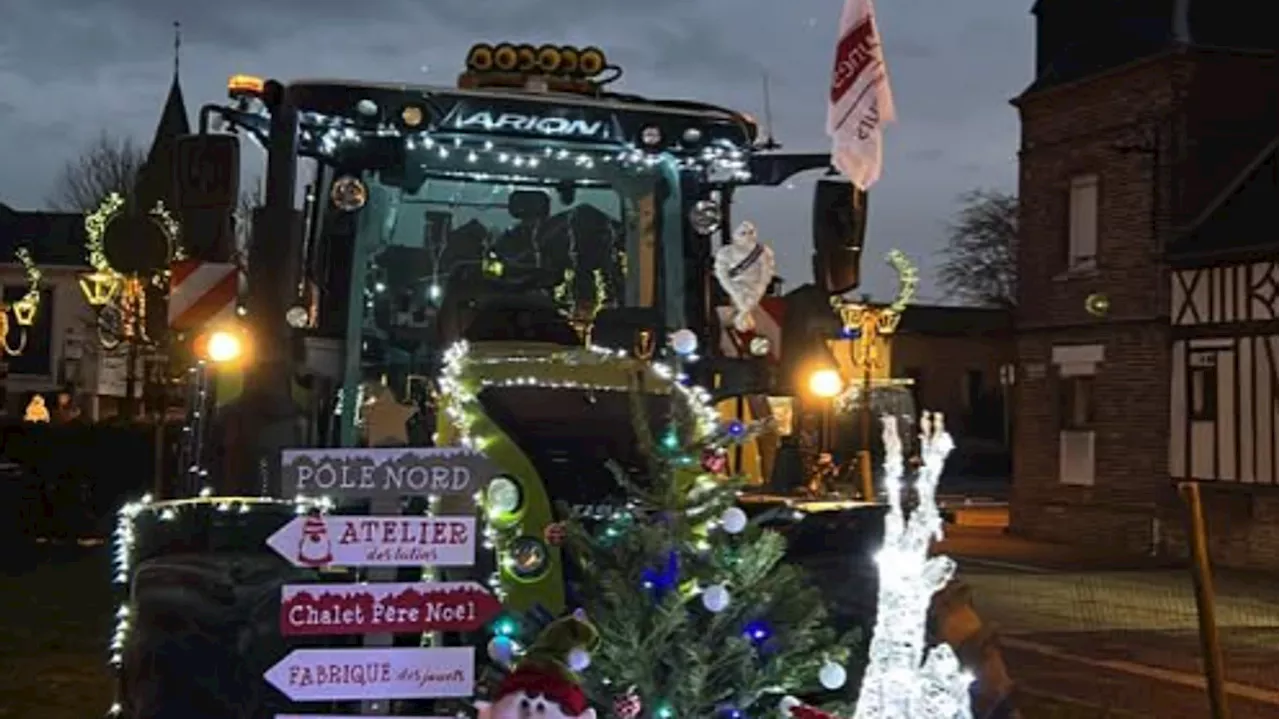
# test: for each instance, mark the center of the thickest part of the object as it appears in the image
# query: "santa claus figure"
(314, 547)
(545, 683)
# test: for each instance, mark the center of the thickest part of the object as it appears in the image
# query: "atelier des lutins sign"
(380, 540)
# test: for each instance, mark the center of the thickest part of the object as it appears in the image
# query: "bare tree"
(110, 164)
(980, 261)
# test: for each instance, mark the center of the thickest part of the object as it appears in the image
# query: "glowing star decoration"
(385, 419)
(904, 678)
(744, 268)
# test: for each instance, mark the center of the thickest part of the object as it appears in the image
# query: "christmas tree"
(699, 614)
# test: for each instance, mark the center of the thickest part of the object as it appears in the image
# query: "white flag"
(861, 102)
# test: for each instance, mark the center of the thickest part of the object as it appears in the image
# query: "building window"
(973, 389)
(1076, 404)
(1082, 223)
(1203, 376)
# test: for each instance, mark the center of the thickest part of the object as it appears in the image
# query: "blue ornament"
(758, 632)
(662, 580)
(736, 429)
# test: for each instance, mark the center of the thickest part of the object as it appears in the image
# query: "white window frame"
(1077, 459)
(1082, 223)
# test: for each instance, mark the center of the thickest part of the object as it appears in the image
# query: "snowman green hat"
(551, 664)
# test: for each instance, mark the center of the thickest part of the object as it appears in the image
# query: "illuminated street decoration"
(867, 325)
(24, 310)
(904, 678)
(120, 299)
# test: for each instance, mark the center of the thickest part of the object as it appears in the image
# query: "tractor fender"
(954, 620)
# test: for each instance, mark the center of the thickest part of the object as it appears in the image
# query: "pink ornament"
(808, 712)
(554, 534)
(628, 705)
(715, 461)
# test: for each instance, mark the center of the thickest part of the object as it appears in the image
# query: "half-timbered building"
(1223, 390)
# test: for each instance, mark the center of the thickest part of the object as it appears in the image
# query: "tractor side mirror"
(839, 226)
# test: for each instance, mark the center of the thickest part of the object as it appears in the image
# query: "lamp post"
(866, 324)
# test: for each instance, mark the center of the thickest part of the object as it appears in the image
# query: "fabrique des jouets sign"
(395, 673)
(362, 541)
(392, 607)
(384, 471)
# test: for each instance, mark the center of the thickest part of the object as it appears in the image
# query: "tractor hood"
(567, 415)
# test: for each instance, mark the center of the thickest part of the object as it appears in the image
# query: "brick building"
(1142, 116)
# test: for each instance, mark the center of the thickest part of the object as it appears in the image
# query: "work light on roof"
(563, 68)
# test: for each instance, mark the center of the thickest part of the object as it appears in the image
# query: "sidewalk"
(993, 545)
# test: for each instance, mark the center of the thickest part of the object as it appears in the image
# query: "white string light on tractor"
(128, 252)
(24, 309)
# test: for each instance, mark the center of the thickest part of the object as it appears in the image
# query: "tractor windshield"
(569, 232)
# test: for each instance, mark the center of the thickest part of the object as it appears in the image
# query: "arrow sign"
(344, 717)
(363, 541)
(384, 471)
(312, 609)
(309, 675)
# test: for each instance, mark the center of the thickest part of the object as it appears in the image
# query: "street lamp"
(24, 310)
(826, 383)
(866, 325)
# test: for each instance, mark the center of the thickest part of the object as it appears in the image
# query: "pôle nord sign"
(399, 673)
(312, 609)
(346, 541)
(384, 471)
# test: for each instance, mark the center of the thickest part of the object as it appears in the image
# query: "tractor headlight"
(503, 496)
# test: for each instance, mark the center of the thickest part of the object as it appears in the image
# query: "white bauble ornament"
(502, 650)
(715, 598)
(832, 675)
(788, 703)
(579, 659)
(734, 520)
(684, 342)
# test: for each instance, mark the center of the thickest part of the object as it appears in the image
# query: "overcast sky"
(72, 68)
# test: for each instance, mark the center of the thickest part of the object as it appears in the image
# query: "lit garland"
(34, 277)
(905, 679)
(172, 510)
(95, 231)
(460, 388)
(331, 134)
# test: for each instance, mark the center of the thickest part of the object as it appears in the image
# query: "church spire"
(155, 180)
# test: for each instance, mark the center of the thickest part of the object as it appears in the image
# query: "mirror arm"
(770, 170)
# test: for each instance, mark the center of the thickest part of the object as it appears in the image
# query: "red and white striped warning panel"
(201, 293)
(768, 317)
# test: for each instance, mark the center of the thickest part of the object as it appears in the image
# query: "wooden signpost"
(380, 542)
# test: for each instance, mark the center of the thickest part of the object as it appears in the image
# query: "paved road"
(1126, 641)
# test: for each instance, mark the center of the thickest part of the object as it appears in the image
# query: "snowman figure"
(545, 683)
(314, 547)
(744, 268)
